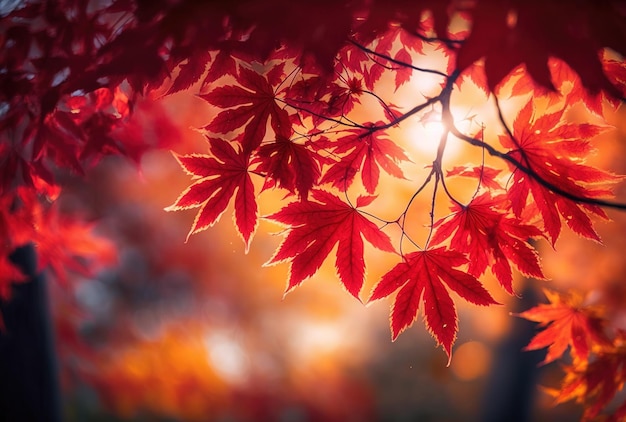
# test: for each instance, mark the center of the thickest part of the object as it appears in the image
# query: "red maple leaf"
(218, 176)
(596, 384)
(566, 321)
(486, 175)
(555, 151)
(593, 101)
(59, 139)
(509, 35)
(307, 27)
(66, 243)
(223, 64)
(190, 72)
(290, 165)
(365, 151)
(321, 98)
(616, 71)
(315, 227)
(571, 88)
(474, 73)
(250, 105)
(423, 276)
(63, 243)
(490, 238)
(403, 73)
(410, 16)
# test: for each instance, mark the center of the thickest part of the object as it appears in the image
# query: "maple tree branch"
(445, 188)
(288, 77)
(444, 96)
(321, 116)
(257, 173)
(482, 164)
(385, 223)
(398, 62)
(375, 217)
(406, 115)
(448, 120)
(508, 130)
(408, 206)
(448, 41)
(403, 235)
(383, 104)
(532, 173)
(438, 163)
(444, 99)
(285, 101)
(381, 101)
(437, 171)
(386, 66)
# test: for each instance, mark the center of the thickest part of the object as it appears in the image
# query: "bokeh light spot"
(470, 361)
(227, 357)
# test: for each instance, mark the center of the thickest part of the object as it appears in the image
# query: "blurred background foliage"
(198, 331)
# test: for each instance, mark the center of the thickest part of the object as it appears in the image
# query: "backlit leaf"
(424, 277)
(219, 177)
(315, 228)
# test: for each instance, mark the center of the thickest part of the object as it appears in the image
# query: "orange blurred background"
(200, 331)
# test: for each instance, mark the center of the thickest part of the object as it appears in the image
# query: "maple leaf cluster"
(293, 128)
(60, 112)
(596, 373)
(62, 243)
(305, 104)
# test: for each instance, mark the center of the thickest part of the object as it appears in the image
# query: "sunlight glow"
(426, 84)
(227, 357)
(431, 136)
(423, 140)
(314, 338)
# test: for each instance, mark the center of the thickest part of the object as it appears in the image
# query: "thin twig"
(398, 62)
(535, 176)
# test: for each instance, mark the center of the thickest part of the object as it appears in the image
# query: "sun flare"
(423, 139)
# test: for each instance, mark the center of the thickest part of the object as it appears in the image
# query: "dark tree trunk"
(512, 383)
(29, 388)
